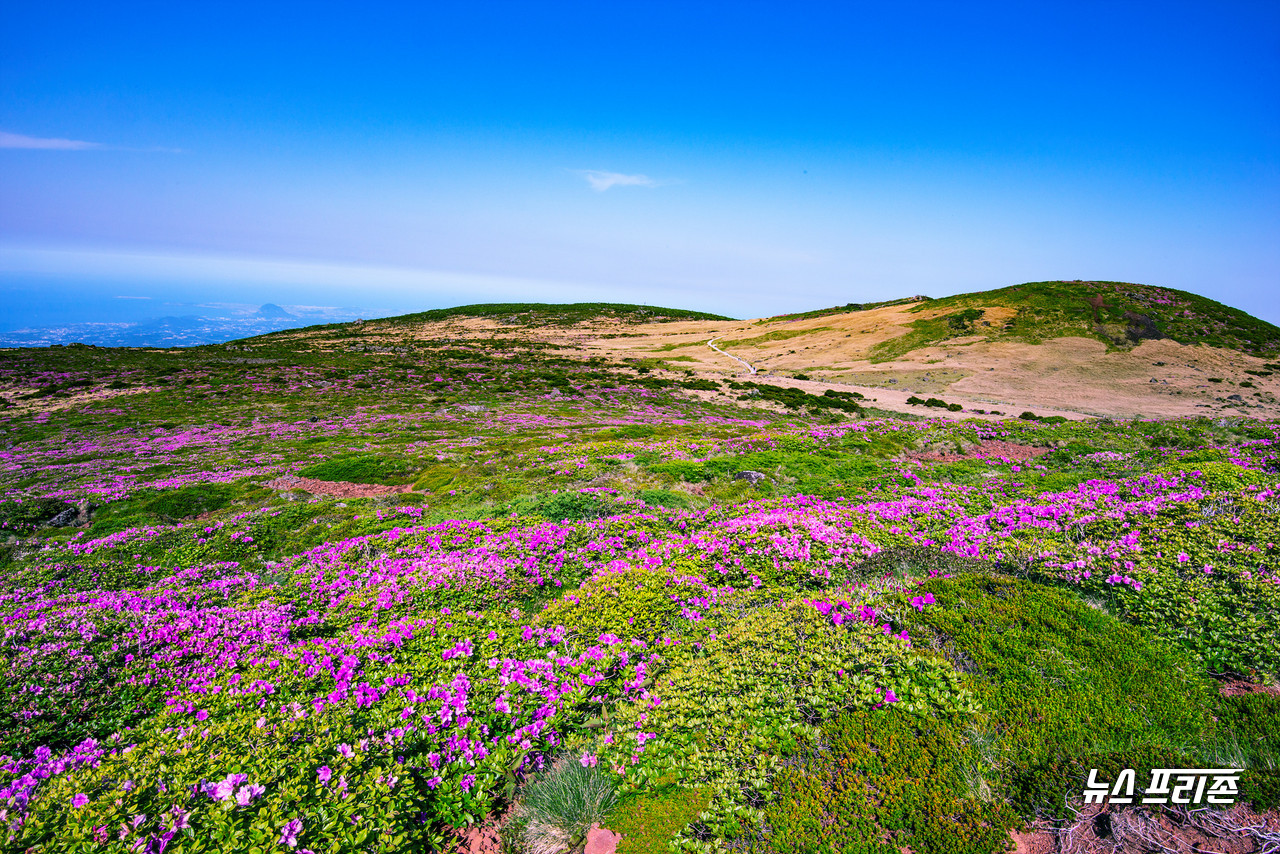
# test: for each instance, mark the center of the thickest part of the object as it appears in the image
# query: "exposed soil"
(336, 488)
(477, 840)
(1237, 687)
(1071, 376)
(1100, 829)
(486, 839)
(601, 840)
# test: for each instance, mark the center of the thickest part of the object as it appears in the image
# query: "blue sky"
(744, 158)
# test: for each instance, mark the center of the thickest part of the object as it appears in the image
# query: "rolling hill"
(1076, 349)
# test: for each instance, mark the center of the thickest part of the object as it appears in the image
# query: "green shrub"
(881, 781)
(23, 516)
(1048, 787)
(362, 469)
(637, 603)
(730, 708)
(571, 506)
(1252, 721)
(1061, 682)
(663, 498)
(174, 504)
(647, 821)
(437, 478)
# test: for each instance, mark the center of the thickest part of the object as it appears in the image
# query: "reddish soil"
(990, 448)
(477, 840)
(485, 839)
(338, 489)
(1236, 687)
(601, 840)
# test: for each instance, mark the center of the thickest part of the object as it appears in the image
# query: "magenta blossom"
(289, 833)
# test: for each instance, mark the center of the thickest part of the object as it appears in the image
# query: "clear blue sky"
(744, 158)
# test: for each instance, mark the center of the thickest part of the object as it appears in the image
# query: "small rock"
(601, 840)
(66, 517)
(1234, 397)
(474, 407)
(313, 419)
(1154, 380)
(753, 476)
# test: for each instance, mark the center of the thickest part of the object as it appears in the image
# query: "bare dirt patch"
(1156, 830)
(336, 488)
(1239, 687)
(1075, 377)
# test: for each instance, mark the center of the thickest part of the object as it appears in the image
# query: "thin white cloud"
(601, 181)
(17, 140)
(123, 297)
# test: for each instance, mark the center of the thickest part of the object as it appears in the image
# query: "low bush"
(1252, 723)
(24, 516)
(571, 506)
(647, 821)
(1061, 682)
(362, 469)
(663, 498)
(879, 782)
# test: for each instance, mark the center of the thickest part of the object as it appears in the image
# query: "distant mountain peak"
(272, 310)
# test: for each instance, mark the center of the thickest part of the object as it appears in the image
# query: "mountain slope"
(1079, 349)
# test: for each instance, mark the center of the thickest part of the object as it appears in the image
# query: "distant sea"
(39, 311)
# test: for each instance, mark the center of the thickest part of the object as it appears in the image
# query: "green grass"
(848, 308)
(1045, 310)
(768, 337)
(1062, 683)
(362, 469)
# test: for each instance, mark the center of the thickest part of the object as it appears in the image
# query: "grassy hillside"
(561, 314)
(1118, 313)
(711, 616)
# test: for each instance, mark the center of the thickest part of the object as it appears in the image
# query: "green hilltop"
(561, 314)
(1120, 314)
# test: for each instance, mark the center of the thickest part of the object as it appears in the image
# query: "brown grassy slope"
(1072, 375)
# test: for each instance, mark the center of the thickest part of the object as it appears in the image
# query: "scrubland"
(709, 614)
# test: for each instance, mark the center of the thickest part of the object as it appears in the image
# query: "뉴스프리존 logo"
(1168, 786)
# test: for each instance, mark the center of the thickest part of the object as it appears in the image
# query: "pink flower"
(324, 773)
(289, 833)
(588, 760)
(79, 800)
(247, 793)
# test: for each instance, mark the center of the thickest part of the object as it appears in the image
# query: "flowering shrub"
(212, 665)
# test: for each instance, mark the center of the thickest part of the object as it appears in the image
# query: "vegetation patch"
(1119, 314)
(362, 469)
(814, 626)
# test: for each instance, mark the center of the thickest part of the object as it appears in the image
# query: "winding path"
(712, 345)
